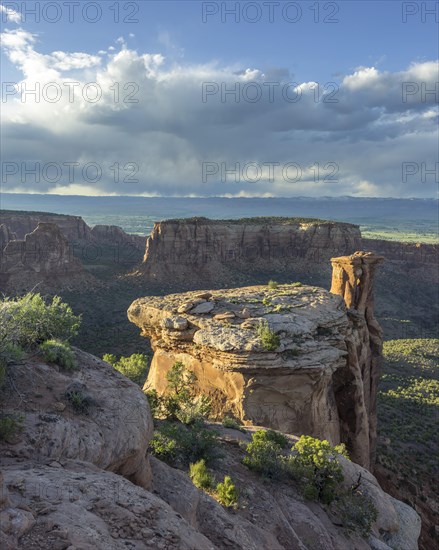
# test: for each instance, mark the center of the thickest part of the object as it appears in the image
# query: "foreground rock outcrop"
(78, 477)
(274, 515)
(43, 258)
(76, 474)
(320, 376)
(93, 414)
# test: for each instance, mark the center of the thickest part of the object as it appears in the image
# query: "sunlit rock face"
(202, 251)
(318, 378)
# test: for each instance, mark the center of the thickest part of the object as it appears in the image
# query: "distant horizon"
(414, 219)
(222, 197)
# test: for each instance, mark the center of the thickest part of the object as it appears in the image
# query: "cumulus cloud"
(143, 124)
(9, 14)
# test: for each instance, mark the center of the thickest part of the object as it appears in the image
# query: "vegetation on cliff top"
(28, 323)
(262, 220)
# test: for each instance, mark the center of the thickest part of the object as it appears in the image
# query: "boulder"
(110, 429)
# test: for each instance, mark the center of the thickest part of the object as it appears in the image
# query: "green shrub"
(9, 426)
(164, 446)
(80, 401)
(229, 422)
(271, 435)
(181, 401)
(356, 511)
(226, 493)
(200, 476)
(179, 445)
(154, 401)
(297, 284)
(59, 353)
(269, 339)
(135, 367)
(264, 454)
(316, 467)
(273, 284)
(28, 321)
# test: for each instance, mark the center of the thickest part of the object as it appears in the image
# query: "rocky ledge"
(316, 375)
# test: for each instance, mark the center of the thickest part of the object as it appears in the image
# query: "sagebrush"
(135, 367)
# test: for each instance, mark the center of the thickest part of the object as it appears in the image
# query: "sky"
(231, 99)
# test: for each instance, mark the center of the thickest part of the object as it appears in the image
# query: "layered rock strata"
(203, 250)
(74, 229)
(356, 386)
(43, 257)
(310, 381)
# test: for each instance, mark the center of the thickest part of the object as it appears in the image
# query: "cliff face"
(205, 249)
(320, 377)
(50, 250)
(74, 229)
(5, 236)
(43, 257)
(356, 386)
(113, 234)
(418, 261)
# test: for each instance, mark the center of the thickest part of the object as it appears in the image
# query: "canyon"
(263, 248)
(49, 251)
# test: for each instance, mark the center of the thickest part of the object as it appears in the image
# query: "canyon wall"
(193, 252)
(43, 258)
(49, 250)
(74, 229)
(418, 261)
(212, 250)
(320, 376)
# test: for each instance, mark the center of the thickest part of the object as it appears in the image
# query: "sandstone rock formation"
(201, 250)
(42, 258)
(74, 229)
(75, 479)
(275, 516)
(321, 378)
(80, 479)
(111, 433)
(417, 260)
(356, 387)
(114, 235)
(5, 236)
